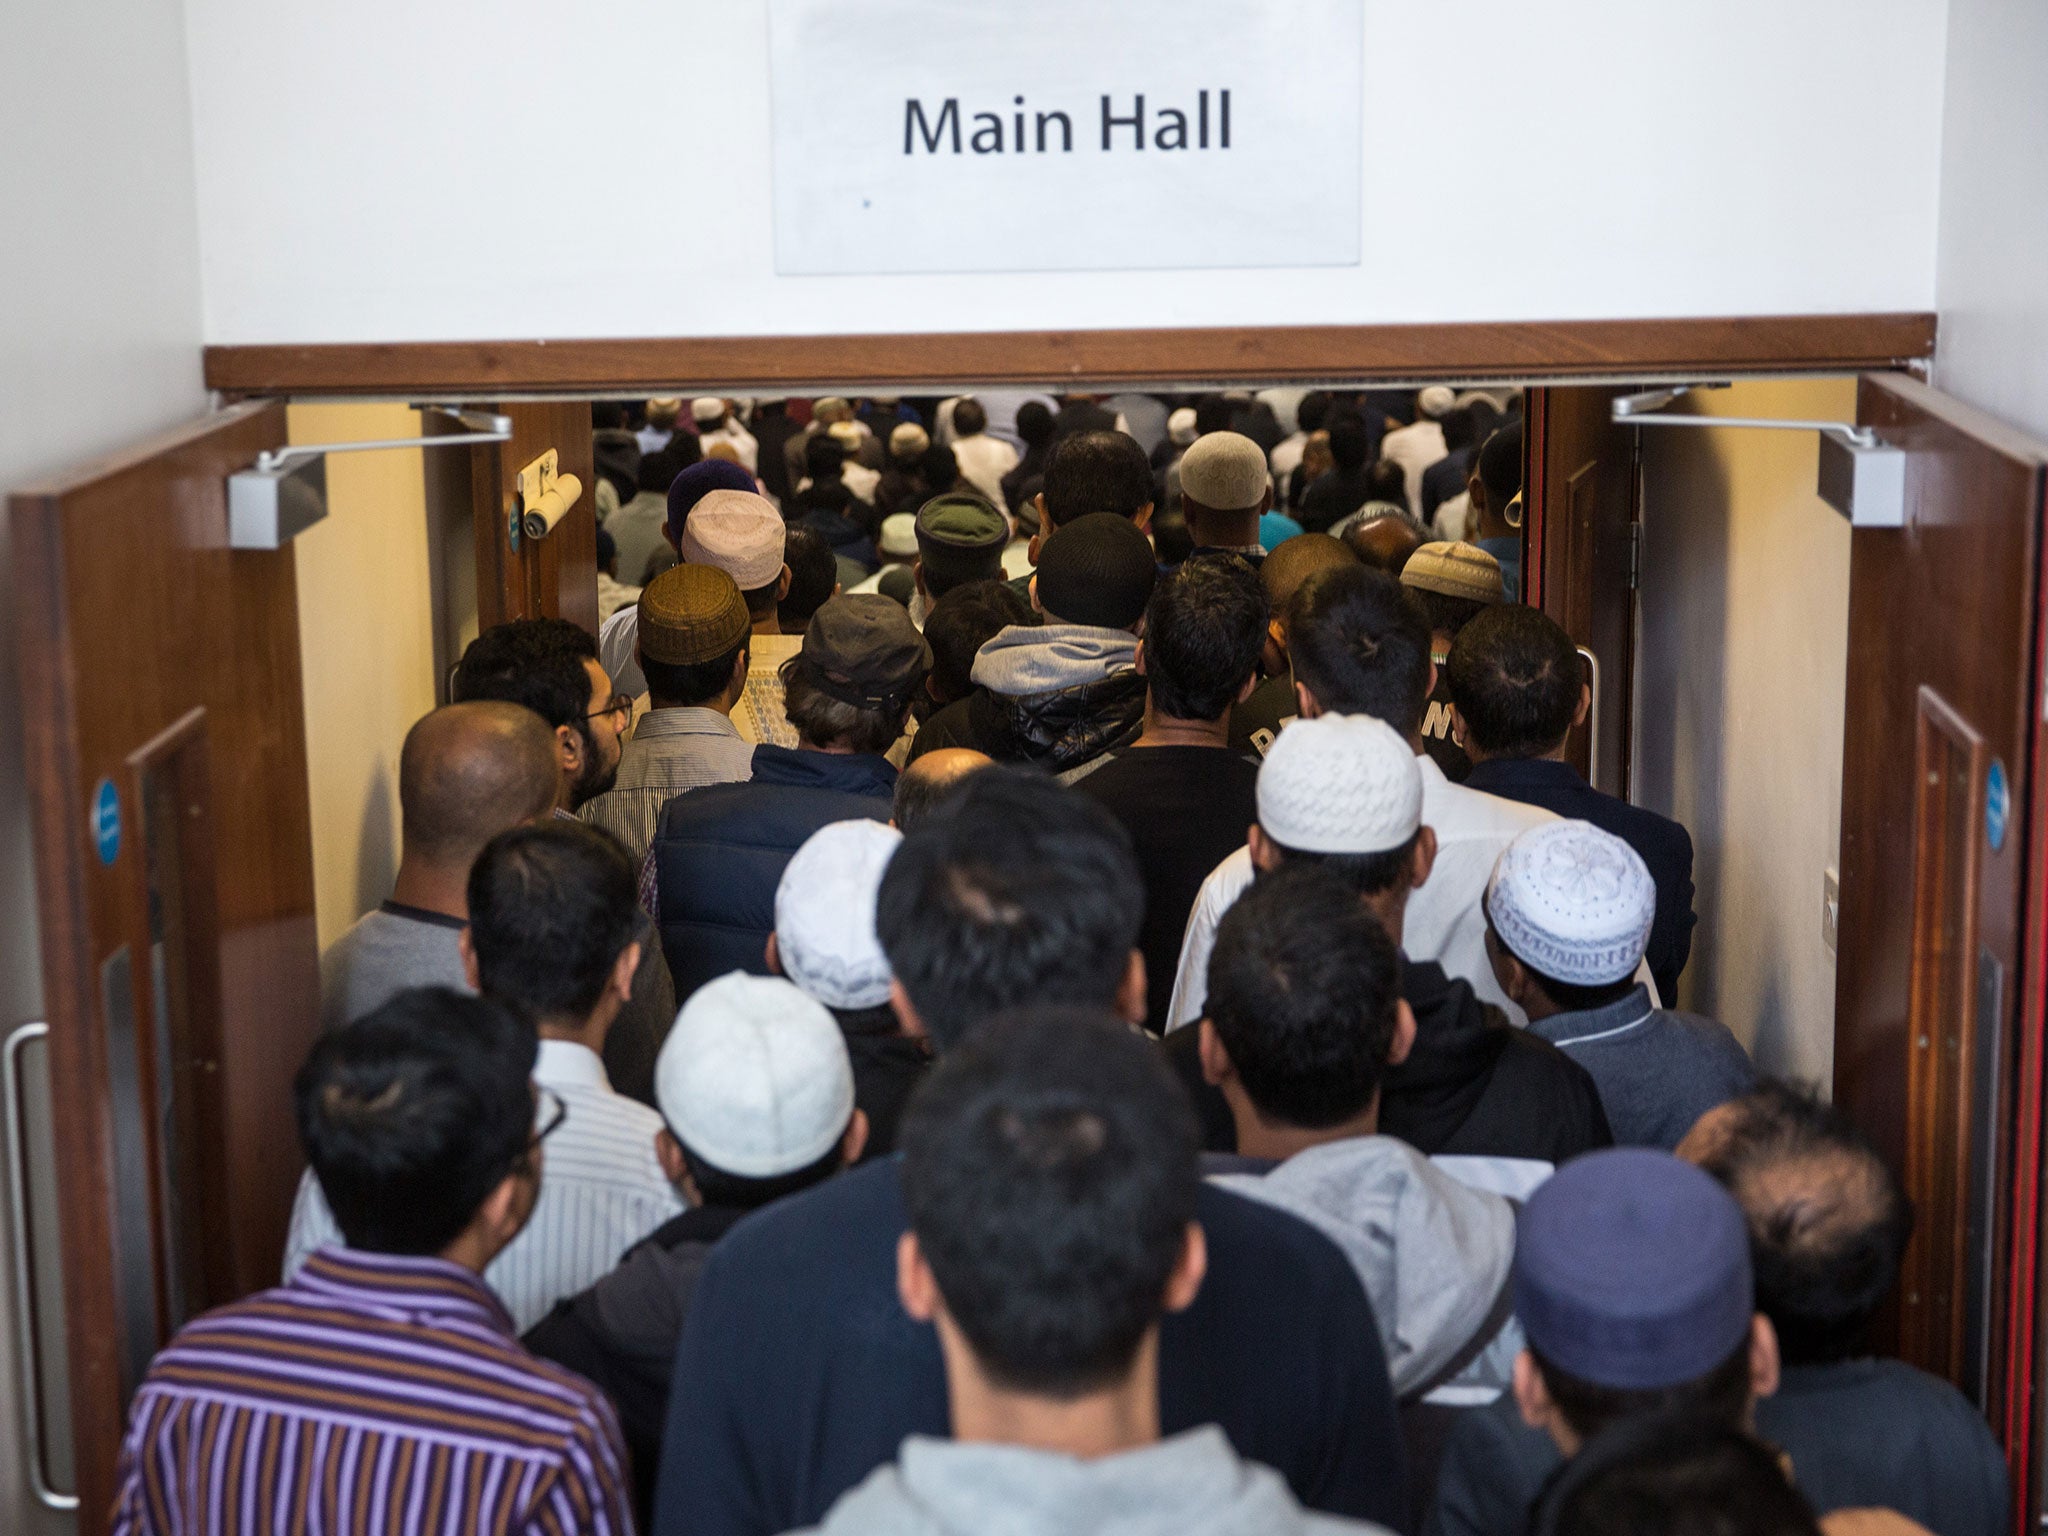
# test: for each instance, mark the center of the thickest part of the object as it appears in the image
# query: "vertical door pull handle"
(1592, 718)
(25, 1330)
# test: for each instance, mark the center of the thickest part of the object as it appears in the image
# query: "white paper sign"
(1056, 135)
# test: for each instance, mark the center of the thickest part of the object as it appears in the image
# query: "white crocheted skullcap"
(1340, 784)
(754, 1077)
(1573, 903)
(825, 914)
(1437, 401)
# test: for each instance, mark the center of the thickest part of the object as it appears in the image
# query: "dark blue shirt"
(800, 1372)
(1664, 845)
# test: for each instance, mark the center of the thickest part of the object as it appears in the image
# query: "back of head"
(1677, 1476)
(1304, 991)
(1088, 1137)
(1096, 472)
(824, 457)
(851, 685)
(1452, 584)
(1516, 677)
(931, 781)
(552, 906)
(1349, 442)
(961, 623)
(960, 539)
(1633, 1285)
(1282, 573)
(813, 573)
(908, 442)
(1171, 540)
(969, 418)
(693, 626)
(1386, 543)
(1828, 1220)
(1313, 412)
(1361, 646)
(1387, 481)
(1204, 630)
(535, 662)
(938, 467)
(698, 481)
(1034, 423)
(1017, 892)
(412, 1114)
(469, 771)
(1097, 570)
(1500, 466)
(1460, 427)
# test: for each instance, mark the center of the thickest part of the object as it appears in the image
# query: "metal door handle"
(24, 1282)
(1592, 718)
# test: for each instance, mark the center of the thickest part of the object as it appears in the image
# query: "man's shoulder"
(1458, 812)
(950, 726)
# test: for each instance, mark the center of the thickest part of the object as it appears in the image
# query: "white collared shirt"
(601, 1191)
(1445, 921)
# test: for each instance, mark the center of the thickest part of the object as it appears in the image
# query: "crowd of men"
(1048, 971)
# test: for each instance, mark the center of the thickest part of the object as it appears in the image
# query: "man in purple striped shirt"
(383, 1389)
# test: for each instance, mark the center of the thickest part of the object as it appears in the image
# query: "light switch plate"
(1830, 909)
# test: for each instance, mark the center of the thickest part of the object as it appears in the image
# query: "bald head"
(1384, 543)
(931, 779)
(1828, 1221)
(469, 772)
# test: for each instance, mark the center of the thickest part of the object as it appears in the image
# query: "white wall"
(386, 170)
(1740, 684)
(99, 327)
(1993, 279)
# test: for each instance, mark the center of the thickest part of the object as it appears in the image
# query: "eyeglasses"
(621, 705)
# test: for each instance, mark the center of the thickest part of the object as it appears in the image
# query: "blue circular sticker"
(106, 821)
(1997, 805)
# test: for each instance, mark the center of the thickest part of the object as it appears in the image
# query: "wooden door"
(1937, 785)
(521, 578)
(167, 783)
(1581, 510)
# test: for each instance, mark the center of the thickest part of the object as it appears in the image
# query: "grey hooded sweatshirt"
(1191, 1485)
(1432, 1254)
(1060, 696)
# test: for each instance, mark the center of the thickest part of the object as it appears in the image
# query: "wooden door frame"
(1720, 346)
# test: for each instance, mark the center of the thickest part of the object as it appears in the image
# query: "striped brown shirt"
(373, 1393)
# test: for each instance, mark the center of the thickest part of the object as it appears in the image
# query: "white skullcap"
(825, 914)
(899, 535)
(754, 1077)
(1340, 784)
(740, 533)
(1437, 401)
(1224, 470)
(908, 439)
(1180, 426)
(707, 408)
(1572, 903)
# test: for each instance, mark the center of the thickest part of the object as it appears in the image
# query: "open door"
(167, 782)
(1934, 962)
(1580, 524)
(518, 577)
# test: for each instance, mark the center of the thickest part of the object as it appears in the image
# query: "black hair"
(1086, 1137)
(1304, 991)
(1096, 472)
(1171, 541)
(1387, 481)
(820, 496)
(1828, 1218)
(1516, 677)
(658, 470)
(737, 1192)
(1673, 1476)
(607, 553)
(1361, 645)
(918, 795)
(960, 624)
(1500, 467)
(969, 418)
(690, 683)
(535, 662)
(762, 600)
(1460, 427)
(939, 468)
(1443, 613)
(1349, 442)
(1204, 630)
(1363, 874)
(813, 573)
(1213, 413)
(1035, 423)
(827, 721)
(1721, 1395)
(552, 906)
(824, 457)
(607, 415)
(412, 1114)
(1017, 891)
(1313, 412)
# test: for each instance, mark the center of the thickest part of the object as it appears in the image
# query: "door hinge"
(1635, 557)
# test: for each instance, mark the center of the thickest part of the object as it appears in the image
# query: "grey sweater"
(1191, 1485)
(1657, 1070)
